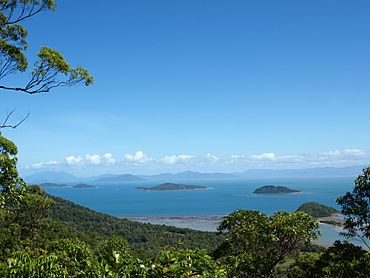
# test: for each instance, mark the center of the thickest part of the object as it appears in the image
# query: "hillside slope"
(146, 239)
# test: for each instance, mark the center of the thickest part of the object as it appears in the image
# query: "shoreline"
(209, 223)
(335, 219)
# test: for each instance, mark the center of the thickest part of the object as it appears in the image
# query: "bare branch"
(6, 125)
(24, 14)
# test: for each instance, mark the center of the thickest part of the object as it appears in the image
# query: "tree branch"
(6, 125)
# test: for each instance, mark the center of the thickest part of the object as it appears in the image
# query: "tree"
(115, 253)
(341, 260)
(256, 243)
(356, 208)
(22, 208)
(63, 258)
(76, 258)
(12, 186)
(185, 263)
(50, 70)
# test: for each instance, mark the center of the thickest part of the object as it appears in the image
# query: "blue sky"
(196, 84)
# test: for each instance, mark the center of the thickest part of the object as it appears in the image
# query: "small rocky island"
(172, 187)
(273, 189)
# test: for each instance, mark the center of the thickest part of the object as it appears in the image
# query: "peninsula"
(322, 213)
(317, 210)
(172, 187)
(273, 189)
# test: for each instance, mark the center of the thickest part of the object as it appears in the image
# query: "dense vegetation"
(317, 210)
(146, 239)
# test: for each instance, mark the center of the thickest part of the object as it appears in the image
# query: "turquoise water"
(223, 197)
(123, 200)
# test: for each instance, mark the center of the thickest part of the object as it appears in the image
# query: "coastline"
(209, 223)
(335, 219)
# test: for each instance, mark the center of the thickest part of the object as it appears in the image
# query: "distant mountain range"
(118, 178)
(190, 175)
(351, 171)
(51, 177)
(65, 177)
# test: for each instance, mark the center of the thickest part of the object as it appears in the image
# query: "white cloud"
(212, 162)
(212, 157)
(172, 159)
(234, 159)
(139, 157)
(108, 158)
(73, 160)
(345, 153)
(94, 159)
(236, 156)
(264, 156)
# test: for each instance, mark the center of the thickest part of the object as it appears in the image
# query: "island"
(273, 189)
(322, 213)
(317, 210)
(82, 185)
(172, 187)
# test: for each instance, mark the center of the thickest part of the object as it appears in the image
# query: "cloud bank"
(139, 160)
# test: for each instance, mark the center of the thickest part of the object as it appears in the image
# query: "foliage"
(50, 70)
(115, 253)
(76, 257)
(146, 239)
(20, 228)
(12, 186)
(304, 266)
(316, 209)
(32, 208)
(63, 258)
(256, 243)
(356, 208)
(341, 260)
(185, 263)
(21, 264)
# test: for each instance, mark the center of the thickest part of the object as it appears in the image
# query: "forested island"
(273, 189)
(172, 187)
(324, 214)
(317, 210)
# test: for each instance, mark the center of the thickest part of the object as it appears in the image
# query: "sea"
(203, 209)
